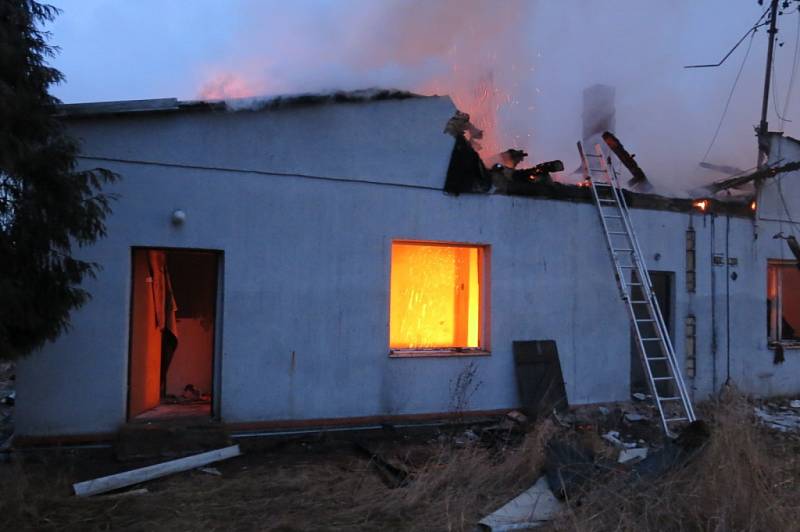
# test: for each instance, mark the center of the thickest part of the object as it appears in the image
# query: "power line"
(730, 95)
(255, 171)
(735, 46)
(775, 98)
(794, 71)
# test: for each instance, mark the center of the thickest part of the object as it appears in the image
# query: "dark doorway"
(663, 284)
(173, 319)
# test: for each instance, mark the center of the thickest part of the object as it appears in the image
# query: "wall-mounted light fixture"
(178, 217)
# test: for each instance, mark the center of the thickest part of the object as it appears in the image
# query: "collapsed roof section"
(467, 173)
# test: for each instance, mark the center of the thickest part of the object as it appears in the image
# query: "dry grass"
(451, 489)
(744, 479)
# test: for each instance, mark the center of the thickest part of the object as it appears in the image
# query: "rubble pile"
(782, 415)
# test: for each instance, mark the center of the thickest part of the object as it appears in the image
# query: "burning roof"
(235, 104)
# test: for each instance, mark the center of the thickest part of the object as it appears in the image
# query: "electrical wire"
(785, 206)
(794, 71)
(774, 84)
(256, 171)
(735, 46)
(730, 95)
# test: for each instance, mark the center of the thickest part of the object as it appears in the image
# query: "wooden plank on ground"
(136, 476)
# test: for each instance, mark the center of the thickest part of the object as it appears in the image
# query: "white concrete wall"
(757, 372)
(306, 276)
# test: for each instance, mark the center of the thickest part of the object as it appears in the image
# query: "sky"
(518, 66)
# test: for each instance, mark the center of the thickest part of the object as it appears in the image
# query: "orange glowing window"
(436, 296)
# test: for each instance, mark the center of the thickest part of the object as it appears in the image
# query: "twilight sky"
(532, 57)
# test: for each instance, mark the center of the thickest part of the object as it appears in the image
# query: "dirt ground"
(745, 477)
(317, 483)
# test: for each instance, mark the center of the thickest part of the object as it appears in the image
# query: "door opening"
(663, 283)
(173, 318)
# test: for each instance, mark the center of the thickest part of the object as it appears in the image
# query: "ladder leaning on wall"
(651, 335)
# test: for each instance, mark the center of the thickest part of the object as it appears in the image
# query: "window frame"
(484, 273)
(774, 340)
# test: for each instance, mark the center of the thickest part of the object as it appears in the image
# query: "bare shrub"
(462, 388)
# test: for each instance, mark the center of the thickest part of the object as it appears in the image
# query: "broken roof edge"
(467, 174)
(762, 173)
(257, 103)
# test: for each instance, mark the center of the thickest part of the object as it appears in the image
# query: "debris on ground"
(778, 417)
(633, 417)
(567, 467)
(518, 417)
(629, 455)
(210, 471)
(392, 475)
(613, 438)
(530, 509)
(143, 474)
(9, 399)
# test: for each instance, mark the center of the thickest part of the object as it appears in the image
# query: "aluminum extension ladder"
(652, 337)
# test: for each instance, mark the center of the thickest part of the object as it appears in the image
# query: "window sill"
(786, 345)
(423, 353)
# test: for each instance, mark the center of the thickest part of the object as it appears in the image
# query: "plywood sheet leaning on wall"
(540, 381)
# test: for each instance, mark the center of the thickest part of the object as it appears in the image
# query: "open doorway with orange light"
(172, 333)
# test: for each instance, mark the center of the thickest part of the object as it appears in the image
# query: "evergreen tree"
(47, 205)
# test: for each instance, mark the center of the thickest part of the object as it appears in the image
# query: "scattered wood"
(136, 476)
(763, 173)
(626, 159)
(391, 475)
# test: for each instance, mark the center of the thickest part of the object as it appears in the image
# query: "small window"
(783, 302)
(436, 298)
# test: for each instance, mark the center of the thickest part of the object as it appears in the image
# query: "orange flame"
(226, 85)
(702, 205)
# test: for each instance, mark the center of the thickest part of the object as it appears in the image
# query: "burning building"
(338, 259)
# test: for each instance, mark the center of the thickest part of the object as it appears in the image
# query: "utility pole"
(763, 126)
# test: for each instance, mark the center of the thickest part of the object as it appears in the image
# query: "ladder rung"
(603, 200)
(633, 284)
(628, 267)
(637, 302)
(593, 155)
(673, 419)
(611, 216)
(653, 339)
(663, 399)
(657, 358)
(621, 249)
(617, 233)
(603, 184)
(645, 320)
(663, 378)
